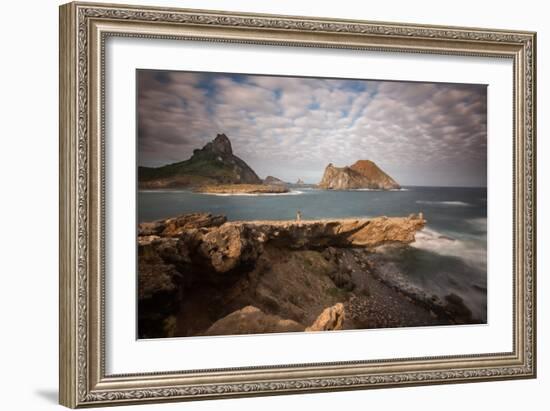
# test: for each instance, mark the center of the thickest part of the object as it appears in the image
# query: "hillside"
(213, 164)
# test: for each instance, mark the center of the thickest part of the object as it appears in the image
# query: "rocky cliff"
(213, 164)
(364, 174)
(198, 273)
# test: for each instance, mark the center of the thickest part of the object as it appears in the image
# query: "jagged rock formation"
(225, 245)
(213, 164)
(363, 174)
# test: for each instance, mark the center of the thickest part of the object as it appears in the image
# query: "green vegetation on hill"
(215, 163)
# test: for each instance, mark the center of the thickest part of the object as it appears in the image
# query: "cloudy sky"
(292, 127)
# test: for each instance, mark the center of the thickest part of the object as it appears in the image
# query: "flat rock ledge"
(225, 245)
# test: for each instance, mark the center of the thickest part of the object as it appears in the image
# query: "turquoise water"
(449, 255)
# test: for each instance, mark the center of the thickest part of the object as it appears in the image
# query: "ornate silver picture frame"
(85, 28)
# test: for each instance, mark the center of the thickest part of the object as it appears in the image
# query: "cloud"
(290, 127)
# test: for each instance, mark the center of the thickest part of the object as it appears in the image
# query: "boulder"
(252, 320)
(229, 246)
(331, 319)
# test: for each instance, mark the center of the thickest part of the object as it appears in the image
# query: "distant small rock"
(270, 180)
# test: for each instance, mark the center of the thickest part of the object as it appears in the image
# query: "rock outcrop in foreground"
(252, 320)
(223, 246)
(364, 174)
(198, 272)
(331, 319)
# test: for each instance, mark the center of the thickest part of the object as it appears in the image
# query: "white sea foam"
(449, 203)
(434, 241)
(377, 189)
(480, 224)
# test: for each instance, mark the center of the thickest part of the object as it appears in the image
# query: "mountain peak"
(220, 144)
(365, 167)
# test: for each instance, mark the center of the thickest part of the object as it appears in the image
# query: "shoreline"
(289, 189)
(251, 194)
(237, 189)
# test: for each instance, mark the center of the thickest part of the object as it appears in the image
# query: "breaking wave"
(449, 203)
(468, 250)
(378, 189)
(478, 224)
(436, 265)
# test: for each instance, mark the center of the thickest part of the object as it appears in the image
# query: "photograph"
(276, 204)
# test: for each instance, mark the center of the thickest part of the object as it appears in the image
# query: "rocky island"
(200, 274)
(363, 174)
(213, 168)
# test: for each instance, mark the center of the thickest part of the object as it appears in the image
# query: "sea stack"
(364, 174)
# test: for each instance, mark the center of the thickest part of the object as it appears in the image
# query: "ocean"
(448, 256)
